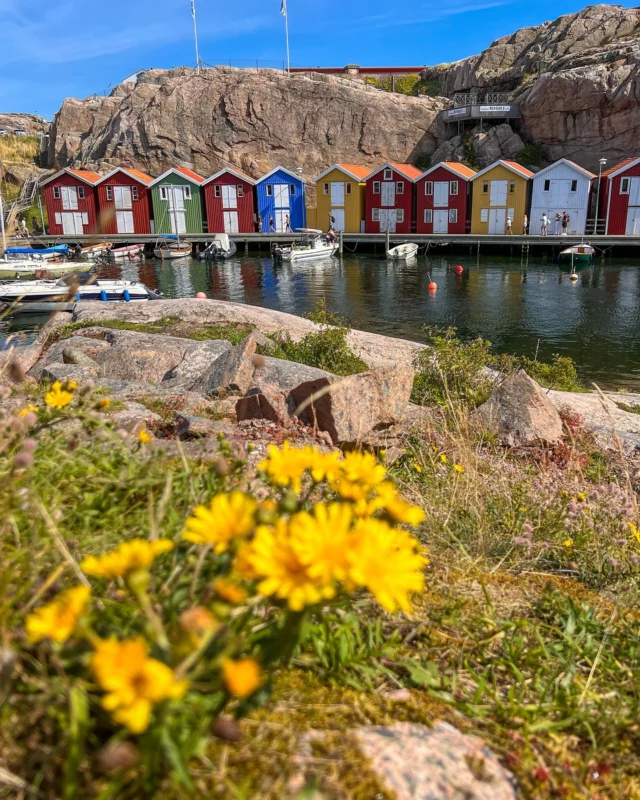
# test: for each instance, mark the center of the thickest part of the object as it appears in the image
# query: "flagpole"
(285, 13)
(195, 35)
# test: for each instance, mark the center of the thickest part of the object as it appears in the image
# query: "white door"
(69, 196)
(337, 195)
(633, 222)
(441, 194)
(122, 197)
(498, 193)
(281, 220)
(176, 209)
(281, 196)
(441, 222)
(68, 223)
(634, 192)
(229, 197)
(389, 195)
(230, 221)
(497, 219)
(124, 222)
(388, 219)
(338, 214)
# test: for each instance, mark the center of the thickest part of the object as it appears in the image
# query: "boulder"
(193, 427)
(135, 417)
(129, 363)
(263, 405)
(520, 413)
(231, 373)
(17, 361)
(68, 372)
(90, 348)
(499, 142)
(350, 408)
(197, 359)
(414, 762)
(75, 355)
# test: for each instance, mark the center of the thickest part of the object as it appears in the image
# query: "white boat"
(27, 293)
(93, 252)
(314, 244)
(169, 247)
(403, 252)
(12, 268)
(221, 246)
(128, 253)
(56, 253)
(581, 253)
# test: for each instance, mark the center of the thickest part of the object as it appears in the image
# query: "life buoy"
(126, 295)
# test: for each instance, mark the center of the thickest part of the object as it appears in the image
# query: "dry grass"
(19, 149)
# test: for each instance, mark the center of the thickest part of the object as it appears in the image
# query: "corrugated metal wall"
(516, 200)
(266, 202)
(141, 208)
(354, 203)
(576, 206)
(193, 207)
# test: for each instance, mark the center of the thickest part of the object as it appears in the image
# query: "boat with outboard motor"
(54, 253)
(403, 252)
(582, 253)
(127, 253)
(313, 244)
(169, 246)
(55, 295)
(221, 246)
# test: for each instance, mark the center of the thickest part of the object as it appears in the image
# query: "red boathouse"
(229, 202)
(443, 198)
(70, 198)
(620, 199)
(389, 198)
(124, 203)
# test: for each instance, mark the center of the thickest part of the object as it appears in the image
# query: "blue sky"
(74, 48)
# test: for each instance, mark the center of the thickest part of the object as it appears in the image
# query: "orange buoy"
(201, 296)
(433, 286)
(459, 269)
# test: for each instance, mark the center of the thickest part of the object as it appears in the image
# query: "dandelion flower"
(230, 592)
(417, 467)
(363, 468)
(144, 437)
(105, 402)
(321, 540)
(395, 507)
(325, 466)
(242, 677)
(227, 517)
(58, 619)
(443, 458)
(285, 466)
(133, 682)
(57, 397)
(30, 409)
(136, 554)
(568, 543)
(458, 468)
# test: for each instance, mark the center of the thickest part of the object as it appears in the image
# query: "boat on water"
(128, 253)
(221, 246)
(33, 268)
(57, 252)
(55, 295)
(403, 252)
(93, 252)
(169, 246)
(577, 254)
(313, 244)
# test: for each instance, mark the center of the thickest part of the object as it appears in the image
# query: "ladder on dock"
(524, 255)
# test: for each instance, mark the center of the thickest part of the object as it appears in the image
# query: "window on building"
(292, 188)
(326, 188)
(85, 218)
(484, 215)
(109, 192)
(428, 215)
(574, 186)
(399, 214)
(399, 187)
(239, 190)
(81, 192)
(187, 192)
(56, 192)
(428, 187)
(163, 193)
(453, 215)
(485, 187)
(388, 174)
(375, 215)
(624, 186)
(348, 187)
(58, 218)
(269, 190)
(547, 185)
(217, 190)
(376, 187)
(134, 192)
(453, 187)
(512, 187)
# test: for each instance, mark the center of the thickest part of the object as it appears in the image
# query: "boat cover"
(58, 248)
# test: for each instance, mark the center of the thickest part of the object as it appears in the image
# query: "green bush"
(559, 374)
(411, 85)
(532, 155)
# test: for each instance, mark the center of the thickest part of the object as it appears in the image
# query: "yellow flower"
(387, 562)
(227, 517)
(443, 458)
(522, 509)
(321, 541)
(458, 467)
(363, 468)
(72, 385)
(635, 532)
(144, 437)
(284, 574)
(57, 397)
(242, 677)
(58, 619)
(105, 403)
(324, 466)
(197, 622)
(286, 466)
(133, 682)
(30, 409)
(230, 592)
(568, 542)
(242, 566)
(136, 554)
(581, 496)
(399, 511)
(417, 467)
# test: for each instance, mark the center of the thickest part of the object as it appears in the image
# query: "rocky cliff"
(245, 119)
(30, 123)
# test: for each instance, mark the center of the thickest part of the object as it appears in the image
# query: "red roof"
(461, 169)
(619, 165)
(85, 174)
(356, 169)
(519, 168)
(192, 175)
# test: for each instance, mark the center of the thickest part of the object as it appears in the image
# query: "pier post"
(387, 241)
(246, 247)
(341, 242)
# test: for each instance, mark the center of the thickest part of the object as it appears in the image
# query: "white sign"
(455, 112)
(484, 109)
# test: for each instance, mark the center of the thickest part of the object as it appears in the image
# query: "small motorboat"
(403, 252)
(169, 246)
(93, 252)
(34, 268)
(56, 253)
(128, 253)
(52, 295)
(313, 244)
(577, 254)
(221, 246)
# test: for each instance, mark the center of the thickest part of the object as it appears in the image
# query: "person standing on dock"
(272, 227)
(525, 225)
(558, 219)
(287, 225)
(509, 221)
(545, 222)
(259, 223)
(565, 222)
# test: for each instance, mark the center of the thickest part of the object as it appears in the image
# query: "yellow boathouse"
(340, 193)
(499, 191)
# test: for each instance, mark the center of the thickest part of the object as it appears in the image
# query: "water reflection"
(519, 307)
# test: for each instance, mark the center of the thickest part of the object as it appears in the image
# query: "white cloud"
(428, 13)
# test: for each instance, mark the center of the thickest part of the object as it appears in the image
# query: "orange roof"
(86, 175)
(518, 168)
(619, 165)
(194, 176)
(356, 169)
(461, 169)
(141, 176)
(408, 170)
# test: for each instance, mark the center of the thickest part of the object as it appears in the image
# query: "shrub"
(532, 155)
(559, 374)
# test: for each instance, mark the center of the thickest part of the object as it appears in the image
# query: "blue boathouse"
(280, 195)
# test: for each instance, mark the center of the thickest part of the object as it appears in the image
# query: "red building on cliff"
(389, 198)
(124, 203)
(229, 202)
(70, 198)
(443, 198)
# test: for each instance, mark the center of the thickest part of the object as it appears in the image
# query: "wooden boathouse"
(443, 198)
(341, 194)
(70, 198)
(620, 198)
(499, 191)
(124, 202)
(389, 198)
(176, 198)
(229, 199)
(280, 194)
(562, 186)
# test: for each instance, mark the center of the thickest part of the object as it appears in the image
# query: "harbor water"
(520, 308)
